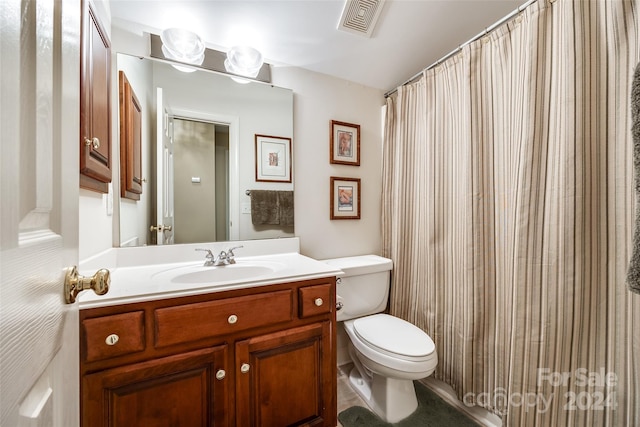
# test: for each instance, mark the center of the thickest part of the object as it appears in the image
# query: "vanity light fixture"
(243, 61)
(229, 63)
(182, 46)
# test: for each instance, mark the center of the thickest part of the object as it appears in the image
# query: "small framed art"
(345, 198)
(345, 143)
(273, 158)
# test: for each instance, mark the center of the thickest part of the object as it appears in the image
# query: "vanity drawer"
(192, 322)
(115, 335)
(314, 300)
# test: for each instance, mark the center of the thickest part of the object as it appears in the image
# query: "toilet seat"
(394, 337)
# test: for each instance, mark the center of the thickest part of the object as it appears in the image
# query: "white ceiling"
(409, 35)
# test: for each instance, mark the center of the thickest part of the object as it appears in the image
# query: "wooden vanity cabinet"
(262, 356)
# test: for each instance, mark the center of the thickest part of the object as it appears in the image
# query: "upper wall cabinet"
(95, 111)
(130, 141)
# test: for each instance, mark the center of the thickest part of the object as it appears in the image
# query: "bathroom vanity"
(256, 352)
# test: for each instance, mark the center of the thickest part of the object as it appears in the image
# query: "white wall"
(318, 99)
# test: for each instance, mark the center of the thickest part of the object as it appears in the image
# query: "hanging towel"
(285, 205)
(264, 207)
(270, 207)
(633, 274)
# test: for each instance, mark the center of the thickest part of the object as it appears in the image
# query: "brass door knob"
(74, 283)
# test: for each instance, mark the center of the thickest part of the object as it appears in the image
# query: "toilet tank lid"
(361, 264)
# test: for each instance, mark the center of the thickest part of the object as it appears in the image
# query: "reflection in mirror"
(201, 176)
(198, 161)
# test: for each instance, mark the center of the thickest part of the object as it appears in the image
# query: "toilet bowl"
(388, 353)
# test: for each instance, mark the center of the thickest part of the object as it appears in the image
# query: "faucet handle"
(230, 251)
(231, 255)
(209, 253)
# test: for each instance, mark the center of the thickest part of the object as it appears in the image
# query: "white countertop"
(140, 283)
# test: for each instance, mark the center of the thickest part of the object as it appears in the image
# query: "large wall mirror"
(198, 155)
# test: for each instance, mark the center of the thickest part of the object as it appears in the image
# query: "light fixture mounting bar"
(213, 60)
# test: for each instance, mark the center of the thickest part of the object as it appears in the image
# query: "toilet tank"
(363, 288)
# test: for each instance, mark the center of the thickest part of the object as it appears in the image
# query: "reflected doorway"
(200, 180)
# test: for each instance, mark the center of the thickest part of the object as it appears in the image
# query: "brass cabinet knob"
(93, 142)
(112, 339)
(74, 283)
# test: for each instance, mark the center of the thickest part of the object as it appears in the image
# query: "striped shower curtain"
(508, 206)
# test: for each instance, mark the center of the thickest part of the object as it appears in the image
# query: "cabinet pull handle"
(221, 374)
(232, 319)
(245, 368)
(112, 339)
(319, 302)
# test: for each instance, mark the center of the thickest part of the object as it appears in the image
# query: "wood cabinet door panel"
(175, 391)
(284, 384)
(130, 140)
(95, 105)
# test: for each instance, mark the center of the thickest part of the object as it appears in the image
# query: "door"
(39, 126)
(164, 226)
(195, 181)
(283, 378)
(186, 389)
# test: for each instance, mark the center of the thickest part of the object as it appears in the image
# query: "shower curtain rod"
(459, 48)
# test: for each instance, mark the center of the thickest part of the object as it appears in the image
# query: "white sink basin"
(200, 274)
(147, 282)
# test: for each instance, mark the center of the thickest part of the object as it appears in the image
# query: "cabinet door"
(189, 390)
(286, 378)
(130, 140)
(95, 105)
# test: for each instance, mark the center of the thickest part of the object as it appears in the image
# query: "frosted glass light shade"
(182, 45)
(243, 61)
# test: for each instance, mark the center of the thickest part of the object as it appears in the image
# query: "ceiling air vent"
(360, 16)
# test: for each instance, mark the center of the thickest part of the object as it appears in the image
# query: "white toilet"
(388, 352)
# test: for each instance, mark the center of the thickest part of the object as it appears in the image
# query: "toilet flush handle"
(339, 305)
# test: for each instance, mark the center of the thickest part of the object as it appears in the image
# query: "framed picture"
(345, 198)
(273, 158)
(345, 143)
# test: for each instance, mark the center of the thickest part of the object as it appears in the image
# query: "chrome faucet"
(229, 256)
(224, 257)
(211, 259)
